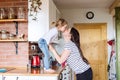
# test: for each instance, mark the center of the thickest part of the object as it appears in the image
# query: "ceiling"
(74, 4)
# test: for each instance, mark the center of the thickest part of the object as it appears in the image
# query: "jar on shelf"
(4, 34)
(2, 13)
(11, 13)
(20, 14)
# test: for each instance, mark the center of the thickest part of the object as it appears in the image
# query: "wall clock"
(90, 15)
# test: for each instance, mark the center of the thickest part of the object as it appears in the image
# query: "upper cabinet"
(48, 14)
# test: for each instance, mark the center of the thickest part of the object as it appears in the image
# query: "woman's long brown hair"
(75, 37)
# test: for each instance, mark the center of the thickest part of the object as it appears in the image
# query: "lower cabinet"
(28, 78)
(0, 77)
(9, 77)
(37, 78)
(66, 74)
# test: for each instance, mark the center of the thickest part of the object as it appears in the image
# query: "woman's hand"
(51, 48)
(60, 58)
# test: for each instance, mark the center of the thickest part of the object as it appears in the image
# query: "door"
(93, 39)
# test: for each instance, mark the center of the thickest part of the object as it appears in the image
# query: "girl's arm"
(60, 58)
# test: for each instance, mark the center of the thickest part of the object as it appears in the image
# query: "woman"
(73, 55)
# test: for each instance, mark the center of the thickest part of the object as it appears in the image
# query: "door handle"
(61, 76)
(3, 78)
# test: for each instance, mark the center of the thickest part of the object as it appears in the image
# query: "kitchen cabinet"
(25, 74)
(16, 39)
(15, 78)
(0, 77)
(29, 78)
(9, 77)
(37, 78)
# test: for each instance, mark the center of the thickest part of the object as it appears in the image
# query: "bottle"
(20, 14)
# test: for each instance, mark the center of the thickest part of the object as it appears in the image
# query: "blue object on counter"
(3, 70)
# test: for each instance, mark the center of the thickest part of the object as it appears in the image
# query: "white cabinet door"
(9, 78)
(37, 78)
(15, 78)
(0, 77)
(23, 78)
(29, 78)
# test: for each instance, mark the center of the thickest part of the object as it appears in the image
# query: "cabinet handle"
(17, 78)
(3, 78)
(61, 76)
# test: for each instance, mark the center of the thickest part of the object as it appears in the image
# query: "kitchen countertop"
(31, 71)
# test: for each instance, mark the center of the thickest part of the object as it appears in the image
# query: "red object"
(110, 42)
(35, 70)
(35, 62)
(63, 64)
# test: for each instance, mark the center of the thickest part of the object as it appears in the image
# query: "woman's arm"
(60, 58)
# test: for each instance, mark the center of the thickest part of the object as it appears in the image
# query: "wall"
(100, 16)
(37, 28)
(79, 16)
(48, 14)
(54, 13)
(8, 56)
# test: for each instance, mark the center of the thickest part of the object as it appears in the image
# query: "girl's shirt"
(74, 59)
(51, 35)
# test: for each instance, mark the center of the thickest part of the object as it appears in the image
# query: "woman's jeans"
(44, 48)
(87, 75)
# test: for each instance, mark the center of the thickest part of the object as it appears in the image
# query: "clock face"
(90, 15)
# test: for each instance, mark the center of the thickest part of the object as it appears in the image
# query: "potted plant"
(34, 8)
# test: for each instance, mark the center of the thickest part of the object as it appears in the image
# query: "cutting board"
(5, 69)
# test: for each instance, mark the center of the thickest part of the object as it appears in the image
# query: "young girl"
(50, 37)
(73, 55)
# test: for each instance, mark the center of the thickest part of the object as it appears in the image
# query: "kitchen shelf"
(13, 20)
(16, 26)
(13, 40)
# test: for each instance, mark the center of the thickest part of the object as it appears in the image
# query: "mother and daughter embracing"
(71, 53)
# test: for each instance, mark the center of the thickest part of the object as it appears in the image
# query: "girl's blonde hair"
(61, 22)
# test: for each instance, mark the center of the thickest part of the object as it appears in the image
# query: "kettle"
(35, 61)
